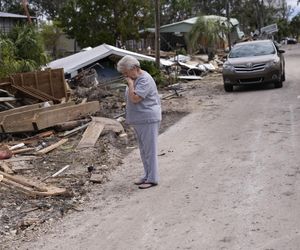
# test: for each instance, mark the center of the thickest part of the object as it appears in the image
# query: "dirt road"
(230, 179)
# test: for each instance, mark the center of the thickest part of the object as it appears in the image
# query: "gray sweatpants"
(147, 135)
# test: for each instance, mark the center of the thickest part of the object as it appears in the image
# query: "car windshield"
(252, 49)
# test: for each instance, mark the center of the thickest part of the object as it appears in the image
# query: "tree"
(21, 51)
(51, 34)
(283, 28)
(103, 21)
(177, 10)
(295, 26)
(50, 9)
(207, 33)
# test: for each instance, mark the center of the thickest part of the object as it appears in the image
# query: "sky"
(293, 3)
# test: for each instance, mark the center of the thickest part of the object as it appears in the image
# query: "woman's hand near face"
(131, 92)
(129, 81)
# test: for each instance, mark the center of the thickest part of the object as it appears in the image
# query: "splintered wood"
(28, 187)
(51, 147)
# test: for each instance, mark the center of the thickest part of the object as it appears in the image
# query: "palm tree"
(207, 33)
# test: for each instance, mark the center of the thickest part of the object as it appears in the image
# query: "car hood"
(252, 59)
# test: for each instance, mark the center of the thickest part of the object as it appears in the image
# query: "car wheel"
(228, 87)
(278, 84)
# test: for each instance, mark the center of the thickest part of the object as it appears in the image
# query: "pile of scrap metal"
(193, 68)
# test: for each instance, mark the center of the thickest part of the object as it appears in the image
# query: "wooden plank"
(17, 110)
(7, 99)
(23, 121)
(90, 135)
(22, 150)
(28, 79)
(22, 158)
(36, 80)
(26, 92)
(30, 188)
(5, 167)
(22, 80)
(52, 147)
(75, 130)
(42, 95)
(51, 82)
(109, 124)
(23, 182)
(58, 77)
(43, 81)
(50, 118)
(16, 186)
(35, 138)
(20, 109)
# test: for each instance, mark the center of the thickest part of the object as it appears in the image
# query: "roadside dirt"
(22, 217)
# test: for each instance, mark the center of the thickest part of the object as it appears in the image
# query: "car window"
(252, 49)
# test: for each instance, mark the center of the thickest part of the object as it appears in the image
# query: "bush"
(21, 50)
(157, 75)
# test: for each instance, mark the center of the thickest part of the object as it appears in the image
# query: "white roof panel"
(71, 64)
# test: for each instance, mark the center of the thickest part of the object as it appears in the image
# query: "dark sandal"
(146, 185)
(139, 182)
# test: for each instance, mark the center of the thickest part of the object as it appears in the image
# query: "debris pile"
(56, 147)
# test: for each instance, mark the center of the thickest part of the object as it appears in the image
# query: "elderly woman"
(143, 112)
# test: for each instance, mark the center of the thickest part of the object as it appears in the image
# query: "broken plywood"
(95, 128)
(52, 117)
(110, 124)
(50, 82)
(23, 121)
(17, 110)
(90, 135)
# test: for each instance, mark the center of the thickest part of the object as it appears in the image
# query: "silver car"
(254, 62)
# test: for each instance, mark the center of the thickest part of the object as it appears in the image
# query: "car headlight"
(228, 66)
(273, 63)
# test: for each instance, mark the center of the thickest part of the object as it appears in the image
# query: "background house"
(9, 20)
(174, 35)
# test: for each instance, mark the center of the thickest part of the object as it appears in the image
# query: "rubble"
(63, 147)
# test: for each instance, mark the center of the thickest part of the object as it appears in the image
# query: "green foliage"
(21, 51)
(157, 75)
(51, 34)
(92, 23)
(11, 6)
(209, 30)
(283, 29)
(29, 44)
(50, 9)
(295, 26)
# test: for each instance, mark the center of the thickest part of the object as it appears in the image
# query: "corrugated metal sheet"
(71, 64)
(10, 15)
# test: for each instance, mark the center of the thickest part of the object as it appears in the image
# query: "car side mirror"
(281, 51)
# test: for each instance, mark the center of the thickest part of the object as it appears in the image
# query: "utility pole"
(229, 24)
(25, 3)
(157, 33)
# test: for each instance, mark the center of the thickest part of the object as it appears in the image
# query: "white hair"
(127, 63)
